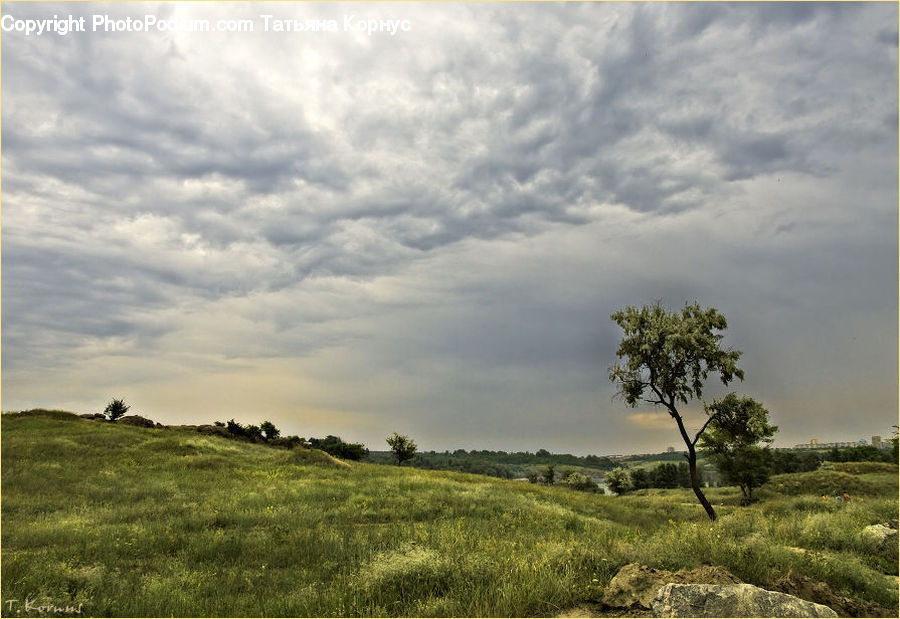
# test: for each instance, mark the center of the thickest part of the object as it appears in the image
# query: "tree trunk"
(692, 466)
(695, 483)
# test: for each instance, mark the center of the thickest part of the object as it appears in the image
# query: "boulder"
(680, 600)
(94, 416)
(634, 586)
(136, 420)
(883, 534)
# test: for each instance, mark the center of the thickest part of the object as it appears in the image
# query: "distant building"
(815, 444)
(876, 442)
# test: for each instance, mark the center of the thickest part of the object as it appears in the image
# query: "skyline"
(427, 231)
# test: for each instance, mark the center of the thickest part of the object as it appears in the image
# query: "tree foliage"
(115, 409)
(732, 442)
(580, 481)
(617, 480)
(335, 446)
(269, 430)
(640, 479)
(549, 474)
(666, 358)
(402, 446)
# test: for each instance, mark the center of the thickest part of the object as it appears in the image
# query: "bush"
(254, 433)
(861, 468)
(821, 482)
(289, 442)
(335, 446)
(580, 481)
(137, 420)
(549, 475)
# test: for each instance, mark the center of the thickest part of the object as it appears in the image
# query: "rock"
(635, 586)
(679, 600)
(136, 420)
(94, 416)
(881, 533)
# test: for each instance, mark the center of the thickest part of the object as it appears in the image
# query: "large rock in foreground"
(674, 600)
(635, 586)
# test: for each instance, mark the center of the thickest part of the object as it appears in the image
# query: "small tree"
(731, 442)
(667, 357)
(402, 446)
(549, 474)
(617, 480)
(268, 428)
(115, 409)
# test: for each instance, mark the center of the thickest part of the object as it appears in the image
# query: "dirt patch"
(597, 610)
(820, 593)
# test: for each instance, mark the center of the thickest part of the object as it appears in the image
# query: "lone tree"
(402, 446)
(666, 356)
(115, 409)
(731, 442)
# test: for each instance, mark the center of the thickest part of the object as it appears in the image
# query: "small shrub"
(580, 481)
(289, 442)
(137, 420)
(549, 474)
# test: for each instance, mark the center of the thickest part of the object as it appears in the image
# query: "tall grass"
(149, 522)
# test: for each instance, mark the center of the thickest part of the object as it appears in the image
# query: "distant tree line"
(502, 464)
(663, 475)
(862, 453)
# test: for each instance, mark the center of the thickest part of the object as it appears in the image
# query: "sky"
(426, 231)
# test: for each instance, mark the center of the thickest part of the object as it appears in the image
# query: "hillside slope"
(130, 521)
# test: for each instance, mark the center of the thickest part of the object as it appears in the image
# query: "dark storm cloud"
(450, 213)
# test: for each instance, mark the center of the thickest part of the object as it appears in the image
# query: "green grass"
(153, 522)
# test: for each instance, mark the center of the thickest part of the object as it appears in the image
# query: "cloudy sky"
(358, 234)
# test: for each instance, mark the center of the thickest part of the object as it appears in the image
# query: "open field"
(132, 521)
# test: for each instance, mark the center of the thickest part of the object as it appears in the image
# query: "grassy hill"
(130, 521)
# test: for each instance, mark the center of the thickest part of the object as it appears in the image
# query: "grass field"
(132, 521)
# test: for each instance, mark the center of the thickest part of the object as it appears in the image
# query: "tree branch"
(700, 431)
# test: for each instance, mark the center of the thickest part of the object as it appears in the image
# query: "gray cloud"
(431, 230)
